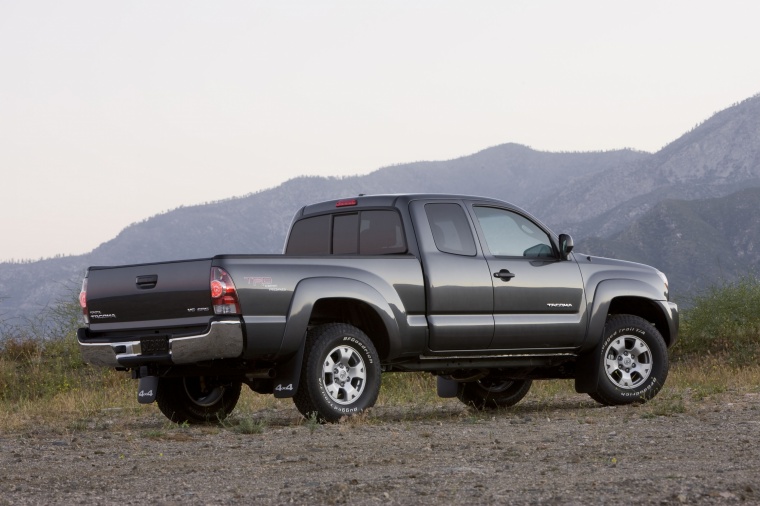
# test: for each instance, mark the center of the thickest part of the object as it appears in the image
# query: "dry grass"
(45, 384)
(71, 407)
(112, 400)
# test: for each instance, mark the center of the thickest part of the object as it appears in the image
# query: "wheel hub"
(344, 374)
(628, 362)
(341, 373)
(199, 392)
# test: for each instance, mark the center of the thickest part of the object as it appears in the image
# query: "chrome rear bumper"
(224, 339)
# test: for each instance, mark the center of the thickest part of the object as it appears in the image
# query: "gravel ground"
(566, 452)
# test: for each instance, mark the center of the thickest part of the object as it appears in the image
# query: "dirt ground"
(566, 452)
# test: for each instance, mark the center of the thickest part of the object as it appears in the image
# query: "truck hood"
(595, 268)
(612, 262)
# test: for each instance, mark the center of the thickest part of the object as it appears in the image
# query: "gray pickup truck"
(473, 290)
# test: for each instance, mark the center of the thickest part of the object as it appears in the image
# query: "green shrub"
(723, 321)
(40, 361)
(31, 368)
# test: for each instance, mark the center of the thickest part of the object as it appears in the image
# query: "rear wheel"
(197, 399)
(633, 363)
(340, 375)
(491, 393)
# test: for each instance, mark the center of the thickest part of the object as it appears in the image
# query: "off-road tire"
(494, 393)
(633, 362)
(340, 374)
(197, 399)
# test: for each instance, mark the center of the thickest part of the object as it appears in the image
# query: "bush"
(724, 321)
(33, 368)
(40, 358)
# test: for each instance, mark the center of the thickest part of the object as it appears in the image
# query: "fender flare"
(587, 370)
(305, 296)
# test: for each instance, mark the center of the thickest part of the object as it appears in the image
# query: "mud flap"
(446, 388)
(288, 375)
(587, 369)
(146, 389)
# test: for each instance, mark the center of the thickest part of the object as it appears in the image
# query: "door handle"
(504, 275)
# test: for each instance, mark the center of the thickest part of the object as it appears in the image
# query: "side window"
(310, 236)
(380, 233)
(511, 235)
(451, 230)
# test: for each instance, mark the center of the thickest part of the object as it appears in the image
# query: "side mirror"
(565, 245)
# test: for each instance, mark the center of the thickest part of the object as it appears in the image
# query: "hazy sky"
(113, 111)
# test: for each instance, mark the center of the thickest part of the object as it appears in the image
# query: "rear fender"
(307, 293)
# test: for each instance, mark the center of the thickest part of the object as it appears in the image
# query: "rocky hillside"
(697, 243)
(719, 157)
(607, 195)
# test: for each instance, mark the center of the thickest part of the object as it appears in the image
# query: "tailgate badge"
(97, 315)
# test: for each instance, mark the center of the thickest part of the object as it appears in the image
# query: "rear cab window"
(310, 237)
(364, 232)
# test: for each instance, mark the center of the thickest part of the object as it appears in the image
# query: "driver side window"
(510, 235)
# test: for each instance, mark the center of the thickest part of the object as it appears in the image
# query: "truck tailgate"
(149, 295)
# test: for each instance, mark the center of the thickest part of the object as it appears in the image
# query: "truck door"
(538, 298)
(458, 287)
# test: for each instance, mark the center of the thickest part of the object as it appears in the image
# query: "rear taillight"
(83, 301)
(223, 293)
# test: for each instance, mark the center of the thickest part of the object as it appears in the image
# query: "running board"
(450, 363)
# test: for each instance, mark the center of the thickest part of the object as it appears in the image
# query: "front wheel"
(633, 363)
(197, 399)
(340, 374)
(492, 393)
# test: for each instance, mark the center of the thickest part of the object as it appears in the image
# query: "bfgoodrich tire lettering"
(197, 399)
(340, 375)
(633, 361)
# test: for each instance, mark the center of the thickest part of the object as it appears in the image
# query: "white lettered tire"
(340, 374)
(633, 361)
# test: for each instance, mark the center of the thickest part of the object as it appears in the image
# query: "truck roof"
(388, 200)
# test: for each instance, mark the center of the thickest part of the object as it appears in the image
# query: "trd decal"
(258, 281)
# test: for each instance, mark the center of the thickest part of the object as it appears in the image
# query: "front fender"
(604, 294)
(587, 375)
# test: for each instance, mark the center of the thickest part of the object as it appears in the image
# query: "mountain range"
(691, 209)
